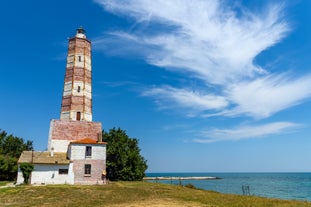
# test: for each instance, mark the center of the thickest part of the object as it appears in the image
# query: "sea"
(289, 186)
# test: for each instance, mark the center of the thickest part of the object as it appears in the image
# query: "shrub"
(190, 185)
(26, 169)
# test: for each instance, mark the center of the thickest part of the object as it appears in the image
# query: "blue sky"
(206, 86)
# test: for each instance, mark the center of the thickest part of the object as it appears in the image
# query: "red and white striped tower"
(76, 112)
(77, 94)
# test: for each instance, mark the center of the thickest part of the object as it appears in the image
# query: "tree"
(124, 161)
(11, 148)
(26, 169)
(14, 146)
(8, 167)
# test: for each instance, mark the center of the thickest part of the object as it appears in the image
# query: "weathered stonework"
(62, 132)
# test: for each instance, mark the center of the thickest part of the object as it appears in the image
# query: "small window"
(87, 169)
(79, 58)
(62, 171)
(88, 151)
(79, 88)
(78, 116)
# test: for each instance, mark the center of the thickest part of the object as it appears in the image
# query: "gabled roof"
(87, 141)
(43, 157)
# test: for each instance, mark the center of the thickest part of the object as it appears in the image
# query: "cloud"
(205, 37)
(246, 132)
(193, 100)
(265, 96)
(215, 43)
(260, 98)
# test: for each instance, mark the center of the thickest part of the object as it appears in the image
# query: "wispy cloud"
(246, 132)
(265, 96)
(216, 43)
(194, 100)
(205, 38)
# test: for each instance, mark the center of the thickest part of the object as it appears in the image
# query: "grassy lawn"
(130, 194)
(3, 183)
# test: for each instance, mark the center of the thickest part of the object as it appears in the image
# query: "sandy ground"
(162, 203)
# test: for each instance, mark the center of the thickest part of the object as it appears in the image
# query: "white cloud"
(260, 98)
(195, 101)
(208, 40)
(216, 43)
(246, 132)
(265, 96)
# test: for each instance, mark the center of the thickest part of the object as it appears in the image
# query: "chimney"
(52, 152)
(100, 137)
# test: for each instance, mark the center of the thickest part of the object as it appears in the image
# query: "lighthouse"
(77, 93)
(75, 152)
(75, 121)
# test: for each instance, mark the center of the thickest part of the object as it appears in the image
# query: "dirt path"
(8, 185)
(161, 203)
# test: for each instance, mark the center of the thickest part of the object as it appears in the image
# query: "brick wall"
(74, 130)
(96, 171)
(62, 132)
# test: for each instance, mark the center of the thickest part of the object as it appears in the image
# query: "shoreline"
(182, 178)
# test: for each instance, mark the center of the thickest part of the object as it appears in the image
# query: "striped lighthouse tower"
(75, 152)
(75, 123)
(77, 94)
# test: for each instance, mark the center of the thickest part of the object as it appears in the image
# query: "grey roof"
(43, 157)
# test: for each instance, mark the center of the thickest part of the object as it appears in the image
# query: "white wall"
(59, 145)
(77, 152)
(48, 174)
(20, 178)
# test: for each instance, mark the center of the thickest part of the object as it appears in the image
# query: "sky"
(206, 86)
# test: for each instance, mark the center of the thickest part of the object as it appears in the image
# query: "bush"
(190, 185)
(26, 169)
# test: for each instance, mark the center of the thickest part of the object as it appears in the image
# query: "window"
(62, 171)
(78, 116)
(79, 88)
(88, 151)
(79, 57)
(87, 169)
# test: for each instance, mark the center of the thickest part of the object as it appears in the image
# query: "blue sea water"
(290, 186)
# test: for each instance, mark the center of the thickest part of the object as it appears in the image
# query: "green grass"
(131, 194)
(3, 183)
